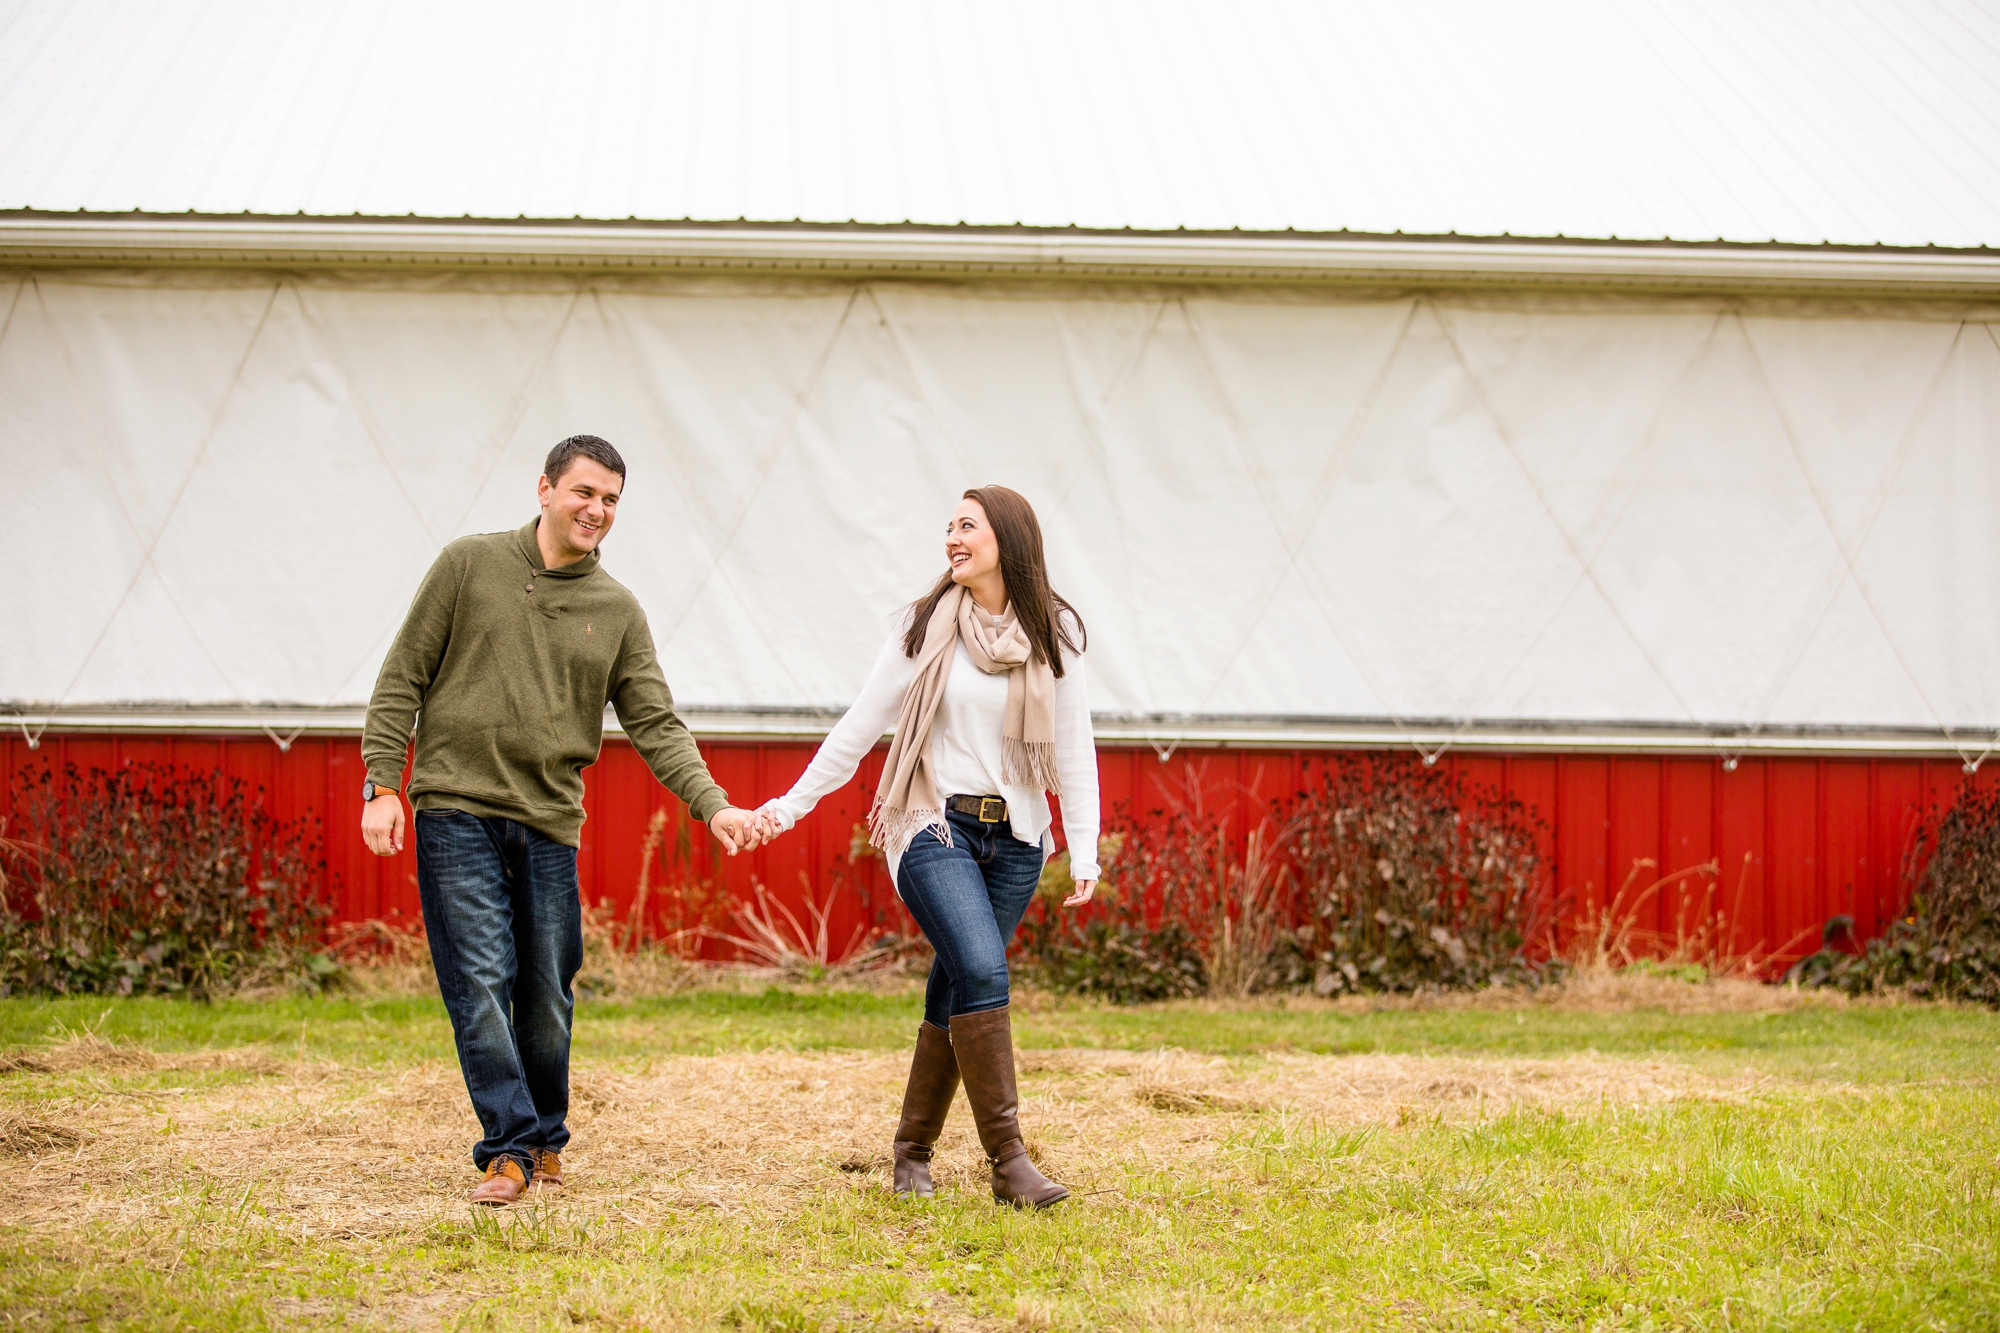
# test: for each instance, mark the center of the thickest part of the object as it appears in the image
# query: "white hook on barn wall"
(33, 738)
(1166, 751)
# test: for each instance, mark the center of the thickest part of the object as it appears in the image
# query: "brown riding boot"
(505, 1181)
(933, 1080)
(548, 1171)
(984, 1044)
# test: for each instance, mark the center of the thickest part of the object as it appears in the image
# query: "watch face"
(367, 792)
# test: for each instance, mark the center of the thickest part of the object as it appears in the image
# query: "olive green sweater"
(505, 667)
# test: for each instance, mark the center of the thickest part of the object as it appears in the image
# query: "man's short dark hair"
(598, 451)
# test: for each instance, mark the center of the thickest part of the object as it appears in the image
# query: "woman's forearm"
(1076, 765)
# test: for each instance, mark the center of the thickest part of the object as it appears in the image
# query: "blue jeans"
(967, 899)
(506, 933)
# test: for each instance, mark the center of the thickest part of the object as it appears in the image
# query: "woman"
(983, 682)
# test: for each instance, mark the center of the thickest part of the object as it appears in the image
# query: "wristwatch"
(369, 791)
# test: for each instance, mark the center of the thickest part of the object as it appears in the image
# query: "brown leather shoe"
(984, 1044)
(926, 1100)
(548, 1171)
(504, 1183)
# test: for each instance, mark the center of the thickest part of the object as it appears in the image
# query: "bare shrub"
(615, 964)
(392, 956)
(895, 944)
(1138, 939)
(1250, 896)
(689, 901)
(769, 934)
(1946, 945)
(1385, 876)
(773, 936)
(151, 878)
(1410, 879)
(1704, 943)
(678, 903)
(1222, 897)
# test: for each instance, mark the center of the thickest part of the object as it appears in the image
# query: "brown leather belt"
(986, 809)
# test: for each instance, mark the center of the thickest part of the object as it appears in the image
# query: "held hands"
(743, 830)
(735, 829)
(382, 824)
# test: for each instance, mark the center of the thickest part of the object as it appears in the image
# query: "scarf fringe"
(1030, 764)
(892, 831)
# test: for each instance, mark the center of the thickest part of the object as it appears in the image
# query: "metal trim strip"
(313, 242)
(1167, 734)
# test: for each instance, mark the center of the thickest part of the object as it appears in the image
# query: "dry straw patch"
(358, 1156)
(88, 1051)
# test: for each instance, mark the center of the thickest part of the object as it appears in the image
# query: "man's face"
(577, 510)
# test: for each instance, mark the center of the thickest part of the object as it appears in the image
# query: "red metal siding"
(1798, 840)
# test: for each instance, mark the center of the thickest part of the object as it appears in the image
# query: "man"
(514, 644)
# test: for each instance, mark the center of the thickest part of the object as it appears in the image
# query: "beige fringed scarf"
(907, 802)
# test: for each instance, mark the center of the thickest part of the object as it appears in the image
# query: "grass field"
(1663, 1157)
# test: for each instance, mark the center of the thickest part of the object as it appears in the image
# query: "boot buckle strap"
(1009, 1153)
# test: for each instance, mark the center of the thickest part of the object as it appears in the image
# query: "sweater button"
(530, 587)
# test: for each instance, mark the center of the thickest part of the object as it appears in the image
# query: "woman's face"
(969, 544)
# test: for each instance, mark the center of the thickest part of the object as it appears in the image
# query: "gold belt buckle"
(1001, 814)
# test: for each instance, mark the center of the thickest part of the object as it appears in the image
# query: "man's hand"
(1081, 894)
(382, 824)
(737, 830)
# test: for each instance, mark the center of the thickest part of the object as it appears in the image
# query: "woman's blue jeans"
(506, 933)
(967, 899)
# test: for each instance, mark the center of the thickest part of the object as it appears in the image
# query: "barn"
(1600, 401)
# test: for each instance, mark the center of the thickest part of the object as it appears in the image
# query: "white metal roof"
(1845, 121)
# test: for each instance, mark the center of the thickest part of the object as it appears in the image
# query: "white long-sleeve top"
(965, 750)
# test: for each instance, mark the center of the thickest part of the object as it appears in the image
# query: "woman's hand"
(736, 830)
(1081, 894)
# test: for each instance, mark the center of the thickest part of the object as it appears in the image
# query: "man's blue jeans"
(968, 898)
(506, 932)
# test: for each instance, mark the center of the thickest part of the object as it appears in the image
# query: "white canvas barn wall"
(1269, 504)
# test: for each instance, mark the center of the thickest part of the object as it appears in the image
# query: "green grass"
(1856, 1187)
(1859, 1043)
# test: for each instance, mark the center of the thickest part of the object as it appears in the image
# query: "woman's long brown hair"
(1041, 610)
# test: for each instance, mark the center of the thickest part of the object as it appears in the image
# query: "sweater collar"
(532, 551)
